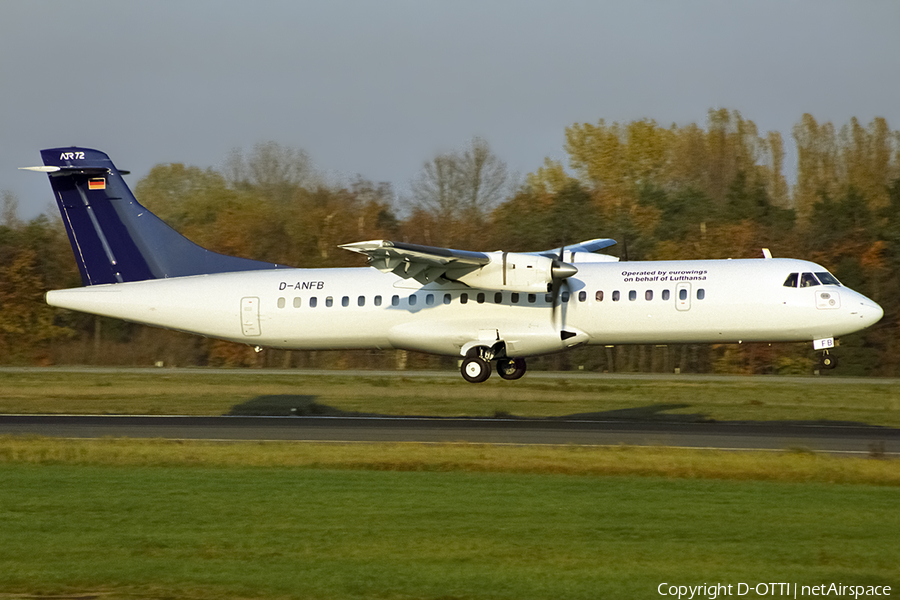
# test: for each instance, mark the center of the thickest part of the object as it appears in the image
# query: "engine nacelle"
(511, 271)
(587, 257)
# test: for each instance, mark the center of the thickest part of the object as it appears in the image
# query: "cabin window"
(565, 296)
(361, 301)
(447, 298)
(791, 280)
(648, 295)
(429, 299)
(514, 297)
(498, 298)
(480, 298)
(615, 296)
(377, 300)
(632, 295)
(395, 300)
(582, 296)
(463, 298)
(665, 295)
(297, 302)
(682, 294)
(345, 301)
(701, 294)
(532, 298)
(313, 302)
(598, 296)
(329, 301)
(548, 298)
(281, 303)
(828, 279)
(808, 280)
(413, 300)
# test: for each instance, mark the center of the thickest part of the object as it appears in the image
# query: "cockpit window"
(828, 279)
(791, 280)
(808, 280)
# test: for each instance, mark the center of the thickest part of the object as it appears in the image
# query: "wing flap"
(412, 261)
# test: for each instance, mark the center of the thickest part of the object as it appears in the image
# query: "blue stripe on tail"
(114, 238)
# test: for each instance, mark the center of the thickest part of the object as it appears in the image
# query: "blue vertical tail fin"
(114, 238)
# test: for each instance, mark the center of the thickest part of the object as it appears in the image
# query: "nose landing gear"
(828, 361)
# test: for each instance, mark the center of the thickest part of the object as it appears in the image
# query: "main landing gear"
(476, 369)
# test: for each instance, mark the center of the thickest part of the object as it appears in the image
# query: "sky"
(378, 88)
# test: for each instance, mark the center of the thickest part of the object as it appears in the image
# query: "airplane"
(486, 308)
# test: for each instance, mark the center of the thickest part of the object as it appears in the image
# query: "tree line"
(716, 190)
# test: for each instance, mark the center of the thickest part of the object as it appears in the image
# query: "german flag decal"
(97, 183)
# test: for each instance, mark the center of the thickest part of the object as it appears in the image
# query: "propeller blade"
(559, 272)
(554, 300)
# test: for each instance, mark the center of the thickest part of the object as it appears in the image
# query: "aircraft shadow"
(288, 405)
(295, 405)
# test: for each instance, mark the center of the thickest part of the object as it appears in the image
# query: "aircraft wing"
(588, 246)
(412, 261)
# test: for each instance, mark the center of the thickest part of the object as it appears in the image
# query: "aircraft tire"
(828, 361)
(475, 369)
(511, 368)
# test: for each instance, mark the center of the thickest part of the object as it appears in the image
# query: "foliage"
(31, 262)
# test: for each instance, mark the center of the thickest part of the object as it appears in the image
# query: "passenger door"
(250, 316)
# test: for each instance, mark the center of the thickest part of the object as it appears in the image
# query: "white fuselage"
(607, 303)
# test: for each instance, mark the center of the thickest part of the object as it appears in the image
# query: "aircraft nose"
(875, 313)
(870, 311)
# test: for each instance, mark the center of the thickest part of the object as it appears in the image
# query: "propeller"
(559, 273)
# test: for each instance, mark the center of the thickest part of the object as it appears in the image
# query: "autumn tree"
(271, 169)
(455, 192)
(31, 257)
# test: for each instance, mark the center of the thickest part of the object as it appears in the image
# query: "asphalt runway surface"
(814, 436)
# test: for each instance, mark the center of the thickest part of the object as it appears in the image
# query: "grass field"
(212, 392)
(154, 519)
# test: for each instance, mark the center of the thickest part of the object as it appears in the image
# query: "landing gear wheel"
(475, 369)
(828, 361)
(511, 368)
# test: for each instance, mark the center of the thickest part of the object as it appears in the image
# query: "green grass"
(273, 532)
(678, 463)
(209, 392)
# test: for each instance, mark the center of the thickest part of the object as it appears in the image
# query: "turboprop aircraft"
(485, 307)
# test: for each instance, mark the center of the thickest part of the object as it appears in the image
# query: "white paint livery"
(742, 301)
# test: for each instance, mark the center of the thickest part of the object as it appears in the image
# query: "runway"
(819, 437)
